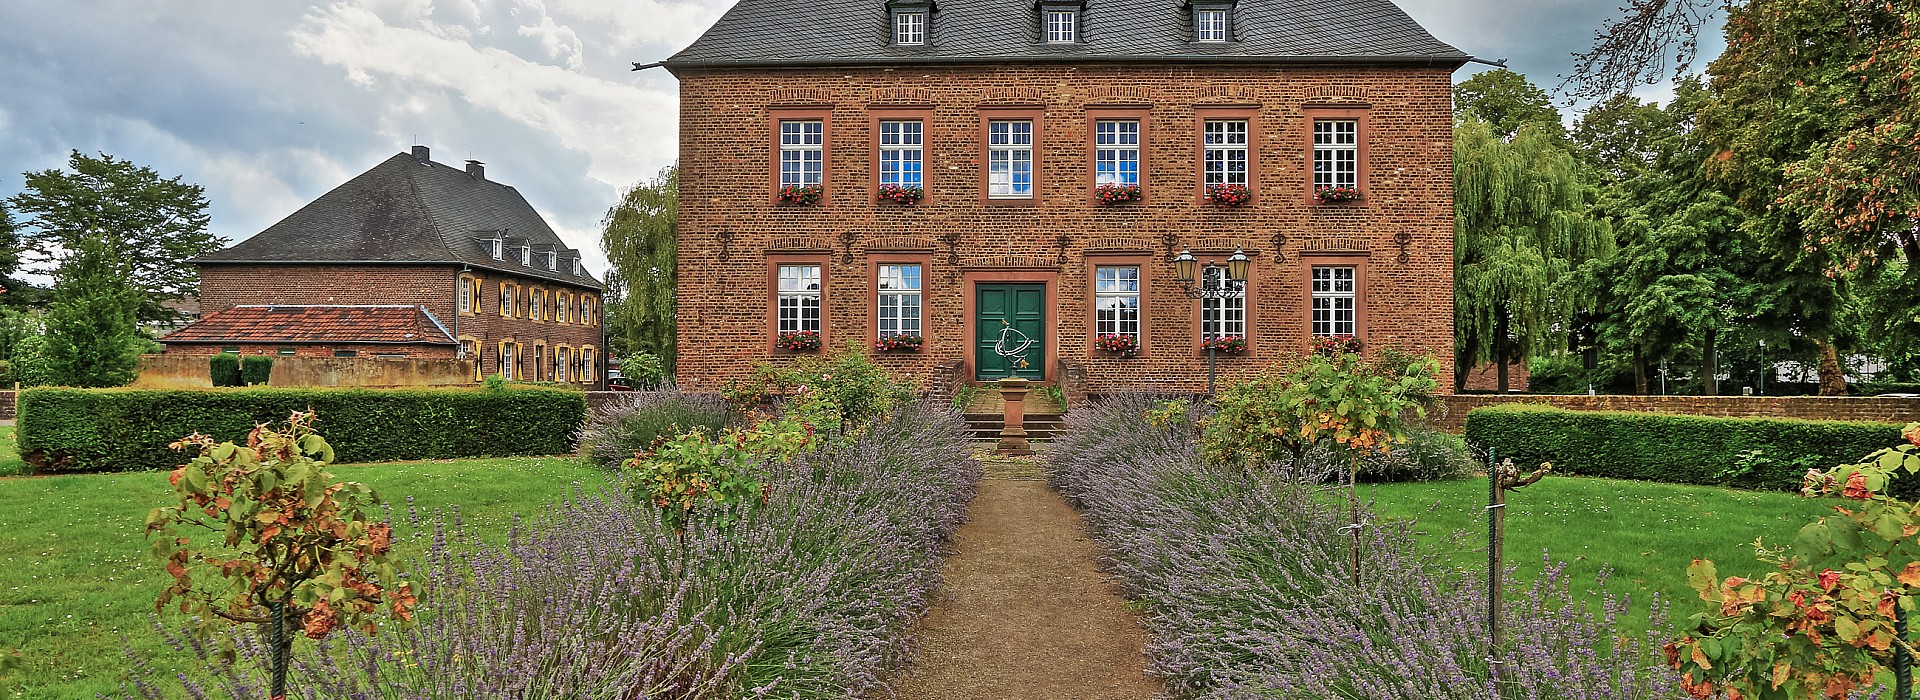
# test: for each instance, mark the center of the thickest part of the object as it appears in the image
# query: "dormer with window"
(911, 21)
(1060, 21)
(552, 260)
(526, 255)
(495, 248)
(1212, 21)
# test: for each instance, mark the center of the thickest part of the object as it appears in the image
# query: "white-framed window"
(1334, 301)
(1226, 316)
(1210, 25)
(901, 151)
(505, 363)
(466, 295)
(562, 357)
(899, 311)
(802, 153)
(1226, 151)
(526, 255)
(506, 299)
(1063, 26)
(1116, 300)
(496, 247)
(798, 306)
(1010, 159)
(1336, 153)
(553, 260)
(576, 261)
(586, 365)
(470, 350)
(1116, 152)
(910, 28)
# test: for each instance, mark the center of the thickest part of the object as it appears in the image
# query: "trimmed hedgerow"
(224, 369)
(64, 430)
(255, 369)
(1758, 453)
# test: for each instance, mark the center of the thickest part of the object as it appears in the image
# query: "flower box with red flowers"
(1117, 343)
(803, 195)
(1336, 195)
(1111, 193)
(898, 343)
(798, 341)
(1331, 345)
(902, 194)
(1229, 194)
(1229, 344)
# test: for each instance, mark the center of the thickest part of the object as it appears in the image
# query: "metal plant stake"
(1501, 478)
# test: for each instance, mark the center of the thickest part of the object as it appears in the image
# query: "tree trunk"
(1833, 381)
(1501, 349)
(1461, 369)
(1639, 372)
(1710, 365)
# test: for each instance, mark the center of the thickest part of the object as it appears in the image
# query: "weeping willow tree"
(1521, 225)
(640, 237)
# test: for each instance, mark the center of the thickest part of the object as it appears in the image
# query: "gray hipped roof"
(849, 32)
(409, 209)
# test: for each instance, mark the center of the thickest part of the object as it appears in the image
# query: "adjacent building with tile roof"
(411, 258)
(976, 188)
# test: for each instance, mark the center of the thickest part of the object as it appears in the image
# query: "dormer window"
(576, 267)
(496, 248)
(1063, 26)
(910, 28)
(526, 255)
(553, 260)
(1210, 25)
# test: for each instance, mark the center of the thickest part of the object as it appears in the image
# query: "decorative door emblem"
(1013, 350)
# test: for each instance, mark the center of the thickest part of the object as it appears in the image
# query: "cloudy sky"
(270, 104)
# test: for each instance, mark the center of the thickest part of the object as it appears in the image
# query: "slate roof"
(409, 209)
(852, 32)
(292, 325)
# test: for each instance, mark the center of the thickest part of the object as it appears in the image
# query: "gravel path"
(1024, 613)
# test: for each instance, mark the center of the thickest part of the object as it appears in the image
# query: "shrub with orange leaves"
(1338, 399)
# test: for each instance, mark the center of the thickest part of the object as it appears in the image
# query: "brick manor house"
(975, 188)
(414, 259)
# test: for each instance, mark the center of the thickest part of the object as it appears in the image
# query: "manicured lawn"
(1647, 532)
(10, 463)
(75, 576)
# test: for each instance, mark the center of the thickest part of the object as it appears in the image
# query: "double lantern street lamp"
(1211, 286)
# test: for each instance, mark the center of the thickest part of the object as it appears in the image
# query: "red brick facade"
(430, 352)
(1399, 238)
(541, 339)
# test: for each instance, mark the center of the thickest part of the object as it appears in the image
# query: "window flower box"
(1227, 344)
(802, 195)
(1110, 193)
(1336, 195)
(1331, 345)
(1118, 344)
(902, 194)
(1229, 194)
(798, 341)
(898, 343)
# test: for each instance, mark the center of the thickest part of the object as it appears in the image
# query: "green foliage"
(1506, 101)
(114, 429)
(1675, 449)
(1172, 414)
(149, 225)
(1339, 400)
(30, 364)
(6, 373)
(842, 390)
(640, 235)
(494, 382)
(255, 369)
(617, 433)
(963, 396)
(224, 368)
(646, 368)
(723, 472)
(1820, 622)
(93, 335)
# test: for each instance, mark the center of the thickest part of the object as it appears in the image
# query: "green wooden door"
(1006, 317)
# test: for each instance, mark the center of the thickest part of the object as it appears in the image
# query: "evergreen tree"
(93, 332)
(639, 235)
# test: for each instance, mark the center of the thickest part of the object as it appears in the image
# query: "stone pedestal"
(1013, 432)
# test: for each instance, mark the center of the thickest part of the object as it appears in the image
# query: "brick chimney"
(476, 170)
(420, 154)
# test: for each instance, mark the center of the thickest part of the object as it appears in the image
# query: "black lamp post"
(1211, 287)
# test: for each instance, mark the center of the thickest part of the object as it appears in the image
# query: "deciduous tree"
(640, 237)
(1506, 101)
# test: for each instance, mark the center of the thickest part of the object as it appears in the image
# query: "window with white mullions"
(1010, 159)
(901, 151)
(899, 309)
(1116, 152)
(1334, 301)
(799, 301)
(1225, 316)
(1063, 26)
(1210, 25)
(1116, 301)
(802, 153)
(910, 28)
(1226, 152)
(1336, 153)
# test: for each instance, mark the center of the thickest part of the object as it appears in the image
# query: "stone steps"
(1040, 427)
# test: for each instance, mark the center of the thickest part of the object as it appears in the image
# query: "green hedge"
(224, 369)
(63, 430)
(1675, 448)
(255, 369)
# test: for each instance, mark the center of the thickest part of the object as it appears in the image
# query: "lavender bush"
(808, 595)
(1248, 593)
(630, 423)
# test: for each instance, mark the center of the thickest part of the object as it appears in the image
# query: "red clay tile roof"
(315, 324)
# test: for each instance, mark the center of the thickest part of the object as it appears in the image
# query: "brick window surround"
(773, 298)
(897, 257)
(1356, 114)
(924, 115)
(1095, 115)
(1202, 115)
(1147, 264)
(1308, 261)
(824, 115)
(1254, 286)
(1029, 113)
